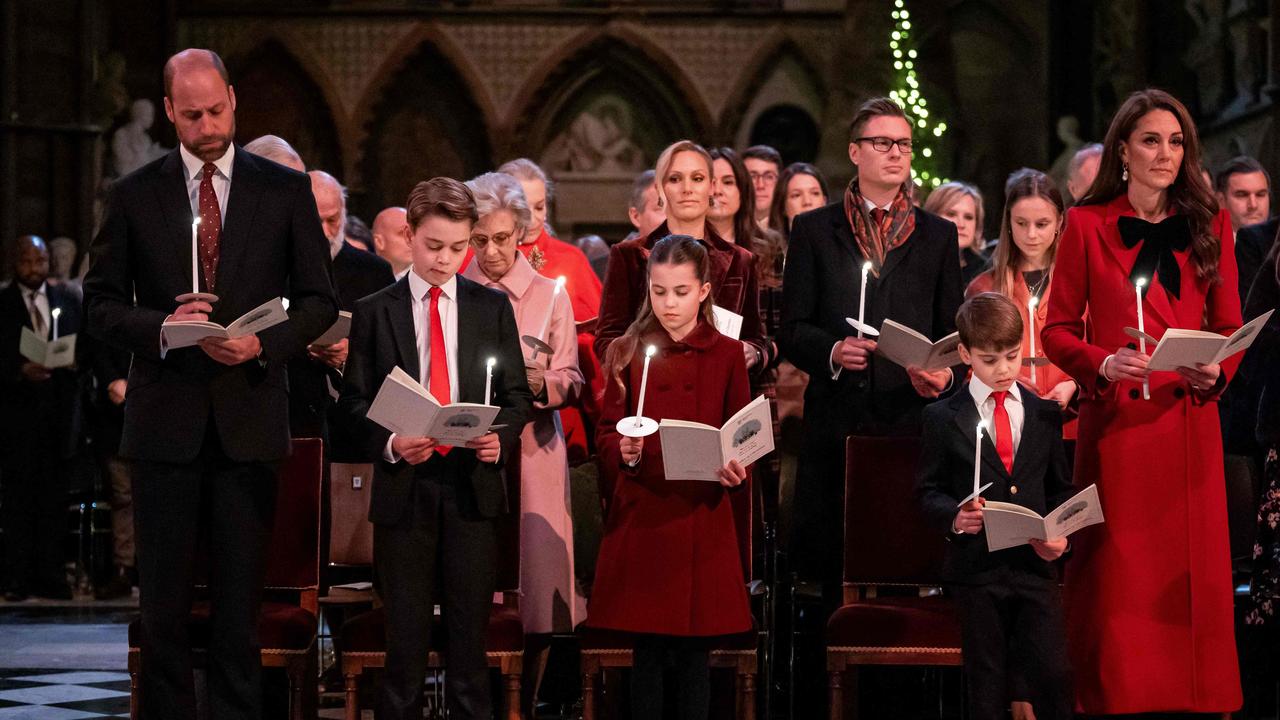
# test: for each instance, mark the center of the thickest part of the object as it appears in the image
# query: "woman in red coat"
(669, 569)
(1148, 594)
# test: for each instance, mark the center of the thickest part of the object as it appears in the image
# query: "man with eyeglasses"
(763, 165)
(914, 279)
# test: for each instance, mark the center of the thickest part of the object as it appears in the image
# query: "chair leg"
(292, 670)
(135, 710)
(747, 696)
(588, 694)
(835, 695)
(352, 686)
(511, 686)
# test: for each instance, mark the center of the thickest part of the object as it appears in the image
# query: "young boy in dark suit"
(1008, 601)
(434, 508)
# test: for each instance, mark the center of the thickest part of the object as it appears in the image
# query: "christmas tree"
(929, 127)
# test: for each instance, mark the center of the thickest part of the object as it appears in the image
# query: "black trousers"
(440, 541)
(235, 502)
(34, 509)
(689, 661)
(1016, 618)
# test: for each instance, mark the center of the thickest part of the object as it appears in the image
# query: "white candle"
(195, 255)
(55, 313)
(546, 322)
(1031, 318)
(1142, 333)
(862, 296)
(488, 380)
(649, 352)
(977, 460)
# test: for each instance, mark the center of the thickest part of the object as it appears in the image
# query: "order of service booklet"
(185, 333)
(908, 348)
(339, 330)
(1184, 348)
(728, 322)
(51, 354)
(404, 407)
(1008, 525)
(694, 451)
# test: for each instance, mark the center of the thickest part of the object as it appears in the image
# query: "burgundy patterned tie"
(210, 227)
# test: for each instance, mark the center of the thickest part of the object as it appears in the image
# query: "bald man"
(317, 377)
(206, 427)
(37, 406)
(391, 239)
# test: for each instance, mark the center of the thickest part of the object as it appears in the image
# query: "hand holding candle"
(488, 380)
(638, 425)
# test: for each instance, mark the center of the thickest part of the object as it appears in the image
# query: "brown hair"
(778, 210)
(947, 194)
(744, 221)
(670, 250)
(1189, 195)
(989, 321)
(875, 107)
(440, 197)
(1022, 184)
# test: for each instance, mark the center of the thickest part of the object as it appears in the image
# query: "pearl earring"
(1125, 175)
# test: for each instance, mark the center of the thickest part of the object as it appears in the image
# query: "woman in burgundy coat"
(669, 569)
(1148, 594)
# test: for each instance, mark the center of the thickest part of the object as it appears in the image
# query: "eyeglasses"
(768, 176)
(497, 238)
(882, 144)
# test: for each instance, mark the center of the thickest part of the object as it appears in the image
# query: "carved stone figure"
(131, 145)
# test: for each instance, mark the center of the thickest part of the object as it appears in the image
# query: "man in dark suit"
(1253, 242)
(38, 418)
(1008, 602)
(434, 508)
(206, 426)
(914, 280)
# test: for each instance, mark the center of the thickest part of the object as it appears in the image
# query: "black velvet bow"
(1159, 241)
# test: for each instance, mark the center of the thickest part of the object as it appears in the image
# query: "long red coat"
(669, 561)
(1148, 594)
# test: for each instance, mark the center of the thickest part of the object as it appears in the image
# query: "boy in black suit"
(1008, 601)
(435, 508)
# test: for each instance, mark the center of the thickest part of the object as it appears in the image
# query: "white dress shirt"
(39, 299)
(987, 408)
(420, 301)
(193, 172)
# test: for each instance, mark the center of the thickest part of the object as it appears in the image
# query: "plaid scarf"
(875, 240)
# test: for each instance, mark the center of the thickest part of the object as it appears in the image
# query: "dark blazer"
(357, 273)
(382, 338)
(919, 286)
(56, 398)
(1253, 242)
(108, 365)
(945, 475)
(1259, 372)
(271, 246)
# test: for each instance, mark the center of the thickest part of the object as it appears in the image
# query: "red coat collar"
(702, 337)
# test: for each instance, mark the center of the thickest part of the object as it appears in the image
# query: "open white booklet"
(694, 451)
(909, 348)
(1008, 525)
(180, 333)
(51, 354)
(339, 330)
(728, 322)
(404, 407)
(1184, 348)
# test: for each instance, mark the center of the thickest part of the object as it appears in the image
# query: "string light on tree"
(925, 164)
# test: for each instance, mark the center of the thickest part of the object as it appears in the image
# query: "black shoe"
(119, 587)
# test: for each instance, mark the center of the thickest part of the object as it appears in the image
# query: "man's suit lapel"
(470, 369)
(13, 302)
(246, 188)
(845, 240)
(400, 318)
(175, 208)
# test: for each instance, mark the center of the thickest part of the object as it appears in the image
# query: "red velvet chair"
(887, 545)
(603, 650)
(287, 623)
(364, 639)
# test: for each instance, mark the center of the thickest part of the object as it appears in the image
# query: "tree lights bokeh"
(929, 128)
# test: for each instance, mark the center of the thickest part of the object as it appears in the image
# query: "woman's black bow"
(1159, 241)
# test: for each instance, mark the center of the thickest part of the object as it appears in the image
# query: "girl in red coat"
(669, 568)
(1148, 595)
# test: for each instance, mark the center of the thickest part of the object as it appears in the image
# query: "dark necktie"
(37, 318)
(438, 384)
(1004, 431)
(210, 230)
(877, 216)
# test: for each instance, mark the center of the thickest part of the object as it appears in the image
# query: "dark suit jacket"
(945, 475)
(1238, 406)
(382, 337)
(1253, 242)
(919, 286)
(55, 402)
(271, 246)
(108, 365)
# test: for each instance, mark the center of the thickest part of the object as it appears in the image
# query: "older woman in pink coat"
(550, 600)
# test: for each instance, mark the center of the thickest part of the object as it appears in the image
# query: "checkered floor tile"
(42, 695)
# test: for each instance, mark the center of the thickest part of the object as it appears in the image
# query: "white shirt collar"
(194, 165)
(419, 287)
(872, 206)
(981, 391)
(28, 292)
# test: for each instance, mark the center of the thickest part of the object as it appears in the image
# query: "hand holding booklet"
(1185, 348)
(909, 348)
(1008, 525)
(51, 354)
(694, 451)
(404, 407)
(185, 333)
